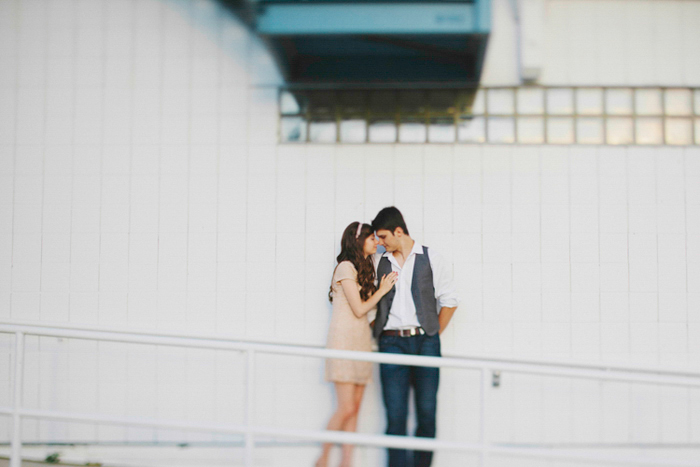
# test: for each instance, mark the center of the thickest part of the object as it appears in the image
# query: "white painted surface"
(141, 186)
(531, 14)
(617, 42)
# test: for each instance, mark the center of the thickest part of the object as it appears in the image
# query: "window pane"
(618, 101)
(322, 132)
(648, 102)
(679, 131)
(530, 101)
(383, 102)
(589, 130)
(412, 132)
(353, 131)
(560, 130)
(500, 101)
(322, 105)
(413, 102)
(697, 101)
(589, 101)
(353, 104)
(472, 130)
(649, 131)
(447, 99)
(501, 130)
(678, 102)
(697, 131)
(288, 104)
(479, 105)
(619, 130)
(531, 130)
(560, 101)
(382, 132)
(293, 129)
(442, 131)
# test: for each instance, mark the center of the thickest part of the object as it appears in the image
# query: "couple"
(414, 302)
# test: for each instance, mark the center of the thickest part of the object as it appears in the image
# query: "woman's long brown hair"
(351, 249)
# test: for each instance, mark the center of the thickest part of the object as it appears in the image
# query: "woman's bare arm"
(360, 308)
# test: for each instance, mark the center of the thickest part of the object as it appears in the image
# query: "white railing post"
(482, 435)
(16, 447)
(249, 441)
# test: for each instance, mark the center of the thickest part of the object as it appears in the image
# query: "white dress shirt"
(402, 314)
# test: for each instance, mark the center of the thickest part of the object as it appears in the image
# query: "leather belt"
(419, 331)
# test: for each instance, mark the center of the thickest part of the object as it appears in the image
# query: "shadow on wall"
(224, 22)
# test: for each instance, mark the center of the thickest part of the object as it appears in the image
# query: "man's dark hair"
(388, 219)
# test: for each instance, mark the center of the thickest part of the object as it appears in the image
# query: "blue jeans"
(396, 383)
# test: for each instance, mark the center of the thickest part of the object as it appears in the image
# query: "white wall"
(141, 187)
(602, 43)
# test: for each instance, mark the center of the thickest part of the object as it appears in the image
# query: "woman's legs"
(347, 409)
(351, 425)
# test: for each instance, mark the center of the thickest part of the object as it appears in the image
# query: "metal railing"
(483, 448)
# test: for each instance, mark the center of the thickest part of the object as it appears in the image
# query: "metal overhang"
(366, 44)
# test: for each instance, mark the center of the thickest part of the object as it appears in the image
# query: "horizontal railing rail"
(250, 431)
(619, 374)
(495, 363)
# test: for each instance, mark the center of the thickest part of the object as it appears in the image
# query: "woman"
(353, 294)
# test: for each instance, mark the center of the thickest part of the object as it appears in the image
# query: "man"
(409, 321)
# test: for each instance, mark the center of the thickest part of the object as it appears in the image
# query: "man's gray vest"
(422, 290)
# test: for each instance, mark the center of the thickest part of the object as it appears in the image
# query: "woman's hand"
(388, 282)
(361, 308)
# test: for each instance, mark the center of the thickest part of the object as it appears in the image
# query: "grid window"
(442, 131)
(589, 101)
(472, 130)
(531, 130)
(618, 130)
(501, 102)
(677, 102)
(560, 130)
(589, 130)
(649, 130)
(293, 130)
(288, 104)
(479, 105)
(618, 101)
(530, 101)
(382, 131)
(560, 101)
(322, 132)
(499, 115)
(412, 132)
(353, 131)
(648, 102)
(501, 130)
(679, 131)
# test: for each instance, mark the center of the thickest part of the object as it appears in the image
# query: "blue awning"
(329, 43)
